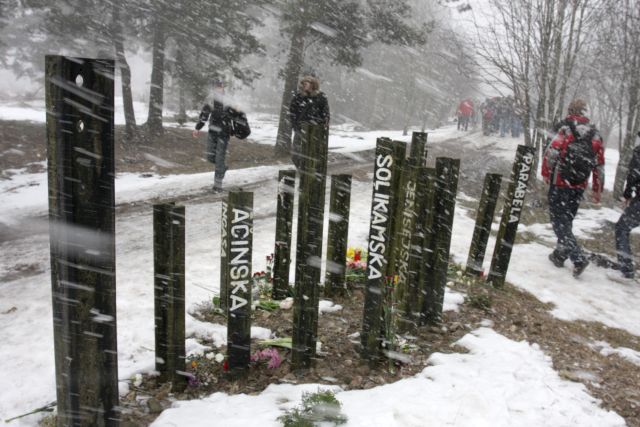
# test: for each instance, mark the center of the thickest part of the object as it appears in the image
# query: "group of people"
(309, 105)
(500, 115)
(575, 153)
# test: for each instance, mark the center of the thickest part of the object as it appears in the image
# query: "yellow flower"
(194, 364)
(350, 253)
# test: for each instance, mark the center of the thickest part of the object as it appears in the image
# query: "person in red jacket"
(565, 197)
(464, 113)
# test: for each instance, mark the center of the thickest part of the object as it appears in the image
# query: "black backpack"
(239, 124)
(579, 159)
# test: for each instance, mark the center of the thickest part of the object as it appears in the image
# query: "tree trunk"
(425, 115)
(541, 123)
(156, 96)
(526, 86)
(182, 107)
(539, 131)
(567, 69)
(291, 73)
(633, 123)
(625, 75)
(555, 66)
(125, 74)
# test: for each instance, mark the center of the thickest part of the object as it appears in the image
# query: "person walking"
(630, 218)
(574, 154)
(464, 113)
(488, 112)
(224, 122)
(504, 116)
(309, 105)
(516, 123)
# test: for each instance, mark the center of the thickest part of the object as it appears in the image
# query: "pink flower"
(275, 361)
(268, 353)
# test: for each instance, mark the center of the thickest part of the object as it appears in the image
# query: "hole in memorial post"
(80, 126)
(79, 80)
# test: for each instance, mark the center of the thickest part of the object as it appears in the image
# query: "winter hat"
(577, 107)
(218, 83)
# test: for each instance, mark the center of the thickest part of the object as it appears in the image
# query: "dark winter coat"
(309, 108)
(219, 117)
(632, 187)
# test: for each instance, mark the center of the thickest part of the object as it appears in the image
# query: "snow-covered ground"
(499, 382)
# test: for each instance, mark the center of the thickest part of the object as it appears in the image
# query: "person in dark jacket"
(504, 111)
(488, 112)
(630, 218)
(309, 105)
(219, 117)
(564, 197)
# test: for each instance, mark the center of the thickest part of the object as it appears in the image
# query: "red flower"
(225, 365)
(356, 256)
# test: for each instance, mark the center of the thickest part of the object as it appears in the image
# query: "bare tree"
(622, 50)
(506, 54)
(531, 48)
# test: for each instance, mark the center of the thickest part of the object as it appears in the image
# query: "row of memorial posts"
(408, 248)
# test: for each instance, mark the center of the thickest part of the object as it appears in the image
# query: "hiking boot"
(556, 260)
(579, 267)
(217, 189)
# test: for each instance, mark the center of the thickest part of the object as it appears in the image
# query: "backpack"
(239, 124)
(579, 159)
